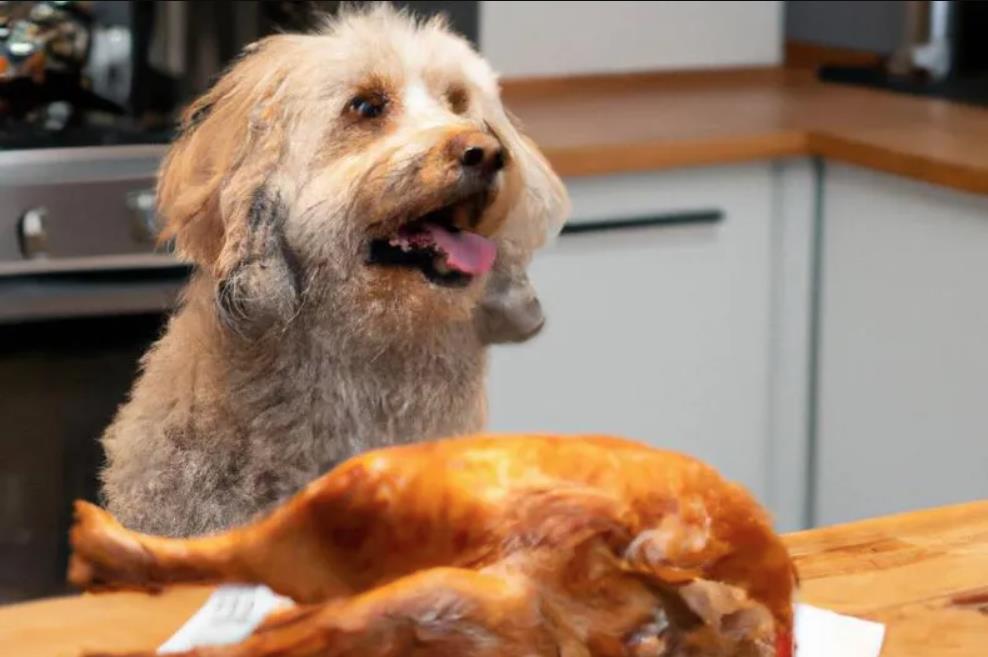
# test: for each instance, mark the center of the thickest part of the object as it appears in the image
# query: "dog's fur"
(289, 352)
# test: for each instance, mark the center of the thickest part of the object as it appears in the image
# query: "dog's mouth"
(438, 246)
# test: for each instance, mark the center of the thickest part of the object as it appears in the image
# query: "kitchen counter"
(621, 123)
(923, 574)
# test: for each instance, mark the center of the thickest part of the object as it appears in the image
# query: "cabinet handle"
(668, 219)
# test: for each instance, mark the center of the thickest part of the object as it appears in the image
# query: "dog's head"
(369, 166)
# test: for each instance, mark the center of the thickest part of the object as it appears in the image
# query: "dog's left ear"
(218, 194)
(510, 310)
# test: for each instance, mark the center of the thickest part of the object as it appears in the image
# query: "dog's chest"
(333, 408)
(396, 401)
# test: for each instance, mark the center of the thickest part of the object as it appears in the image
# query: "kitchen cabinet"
(660, 320)
(903, 349)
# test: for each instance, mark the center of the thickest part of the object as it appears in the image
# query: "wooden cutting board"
(923, 574)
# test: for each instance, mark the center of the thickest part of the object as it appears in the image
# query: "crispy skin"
(505, 544)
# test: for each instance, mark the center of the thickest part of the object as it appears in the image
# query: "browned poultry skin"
(540, 545)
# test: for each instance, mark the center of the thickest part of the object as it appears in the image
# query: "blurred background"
(777, 260)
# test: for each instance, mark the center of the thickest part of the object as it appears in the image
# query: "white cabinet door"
(659, 333)
(903, 407)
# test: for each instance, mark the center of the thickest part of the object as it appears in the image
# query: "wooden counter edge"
(607, 159)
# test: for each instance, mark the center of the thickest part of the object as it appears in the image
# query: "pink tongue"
(466, 252)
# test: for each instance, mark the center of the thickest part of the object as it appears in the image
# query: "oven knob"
(33, 235)
(144, 221)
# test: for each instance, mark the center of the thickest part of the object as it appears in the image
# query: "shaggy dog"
(342, 196)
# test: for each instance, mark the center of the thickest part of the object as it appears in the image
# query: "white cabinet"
(659, 332)
(903, 361)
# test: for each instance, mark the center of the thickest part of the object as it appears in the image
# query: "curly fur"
(289, 353)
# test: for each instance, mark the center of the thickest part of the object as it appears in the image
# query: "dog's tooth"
(400, 243)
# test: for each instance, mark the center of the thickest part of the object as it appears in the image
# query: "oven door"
(61, 381)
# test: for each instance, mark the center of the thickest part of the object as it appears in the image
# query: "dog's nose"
(480, 152)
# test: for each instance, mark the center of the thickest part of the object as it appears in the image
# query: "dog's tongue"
(466, 252)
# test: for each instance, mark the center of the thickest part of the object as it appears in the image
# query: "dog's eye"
(458, 99)
(368, 107)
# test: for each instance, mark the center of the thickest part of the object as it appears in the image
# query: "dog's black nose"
(481, 152)
(473, 156)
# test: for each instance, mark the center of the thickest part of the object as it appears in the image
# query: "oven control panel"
(79, 209)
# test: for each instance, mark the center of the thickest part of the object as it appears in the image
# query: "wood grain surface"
(923, 574)
(618, 123)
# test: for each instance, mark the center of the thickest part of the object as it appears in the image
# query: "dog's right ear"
(216, 192)
(510, 310)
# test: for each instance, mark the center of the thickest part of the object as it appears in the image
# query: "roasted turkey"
(488, 546)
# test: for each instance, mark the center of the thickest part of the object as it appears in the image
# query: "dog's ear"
(217, 193)
(542, 204)
(510, 310)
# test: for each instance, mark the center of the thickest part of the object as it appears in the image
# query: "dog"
(360, 211)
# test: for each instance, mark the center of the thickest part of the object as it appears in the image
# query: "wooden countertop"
(610, 124)
(923, 574)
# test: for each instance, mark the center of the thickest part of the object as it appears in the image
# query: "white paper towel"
(232, 613)
(823, 633)
(229, 616)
